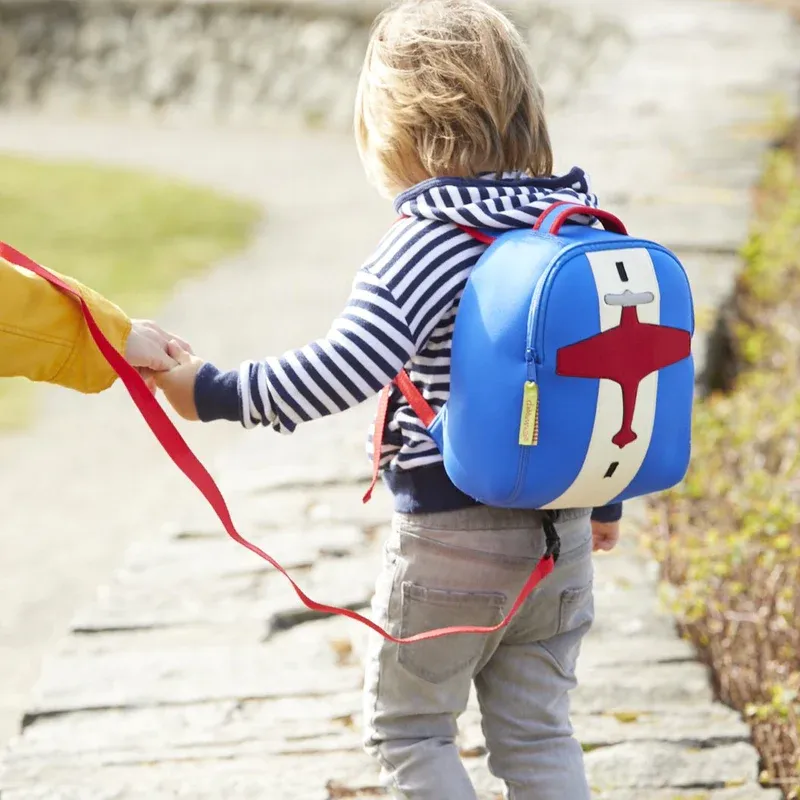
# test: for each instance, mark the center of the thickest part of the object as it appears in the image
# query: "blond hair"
(447, 89)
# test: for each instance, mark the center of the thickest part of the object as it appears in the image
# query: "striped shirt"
(400, 314)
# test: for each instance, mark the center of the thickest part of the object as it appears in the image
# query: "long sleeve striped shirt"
(400, 314)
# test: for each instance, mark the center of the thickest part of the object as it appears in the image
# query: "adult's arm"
(43, 336)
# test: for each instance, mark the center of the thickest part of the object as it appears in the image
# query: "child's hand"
(178, 382)
(605, 535)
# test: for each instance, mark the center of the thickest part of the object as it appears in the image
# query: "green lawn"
(127, 234)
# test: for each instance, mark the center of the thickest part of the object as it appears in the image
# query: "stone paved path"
(194, 673)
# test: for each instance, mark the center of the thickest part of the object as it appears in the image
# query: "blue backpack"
(572, 378)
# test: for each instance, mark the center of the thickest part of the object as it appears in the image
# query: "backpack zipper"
(529, 419)
(531, 400)
(536, 322)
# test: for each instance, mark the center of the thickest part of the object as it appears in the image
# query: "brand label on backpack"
(529, 421)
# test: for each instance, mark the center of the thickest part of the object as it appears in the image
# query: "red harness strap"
(177, 449)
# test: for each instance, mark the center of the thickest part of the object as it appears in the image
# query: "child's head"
(447, 89)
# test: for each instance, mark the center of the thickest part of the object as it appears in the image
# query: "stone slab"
(298, 778)
(636, 687)
(287, 725)
(746, 792)
(289, 665)
(257, 594)
(660, 765)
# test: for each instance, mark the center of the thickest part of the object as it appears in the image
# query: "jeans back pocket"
(576, 608)
(424, 609)
(575, 617)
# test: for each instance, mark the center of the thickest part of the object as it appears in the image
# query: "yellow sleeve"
(43, 336)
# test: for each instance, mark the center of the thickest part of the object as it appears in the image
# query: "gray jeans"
(466, 568)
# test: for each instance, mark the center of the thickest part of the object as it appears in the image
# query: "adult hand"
(147, 347)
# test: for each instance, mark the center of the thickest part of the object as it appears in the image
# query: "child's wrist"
(610, 513)
(216, 394)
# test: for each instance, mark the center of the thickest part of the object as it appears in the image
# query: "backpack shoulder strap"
(418, 403)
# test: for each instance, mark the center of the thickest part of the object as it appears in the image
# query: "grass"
(129, 235)
(730, 534)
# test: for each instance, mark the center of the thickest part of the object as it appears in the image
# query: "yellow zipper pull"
(529, 421)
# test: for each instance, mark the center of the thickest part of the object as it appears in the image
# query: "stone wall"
(234, 59)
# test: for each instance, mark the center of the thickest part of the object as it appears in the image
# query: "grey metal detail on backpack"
(629, 298)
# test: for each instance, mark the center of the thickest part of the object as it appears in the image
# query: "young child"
(449, 122)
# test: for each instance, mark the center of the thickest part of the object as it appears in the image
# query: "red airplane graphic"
(626, 355)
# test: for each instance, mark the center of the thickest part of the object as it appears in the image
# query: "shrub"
(730, 534)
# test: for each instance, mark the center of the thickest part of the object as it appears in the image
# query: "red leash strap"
(177, 449)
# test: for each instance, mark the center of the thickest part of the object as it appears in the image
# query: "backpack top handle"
(554, 217)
